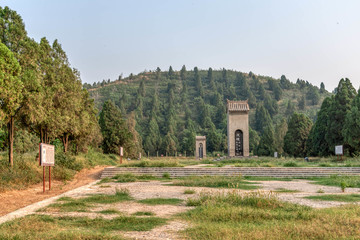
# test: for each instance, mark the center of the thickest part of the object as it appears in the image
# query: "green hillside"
(184, 103)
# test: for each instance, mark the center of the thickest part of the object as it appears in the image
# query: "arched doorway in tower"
(201, 150)
(239, 143)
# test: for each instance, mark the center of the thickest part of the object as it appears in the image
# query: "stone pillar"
(238, 122)
(200, 147)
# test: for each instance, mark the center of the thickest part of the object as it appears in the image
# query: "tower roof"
(238, 106)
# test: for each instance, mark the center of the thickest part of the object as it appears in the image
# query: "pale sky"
(318, 41)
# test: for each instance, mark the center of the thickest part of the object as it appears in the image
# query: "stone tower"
(238, 128)
(200, 146)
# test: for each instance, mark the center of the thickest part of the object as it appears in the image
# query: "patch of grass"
(337, 197)
(338, 181)
(47, 227)
(254, 178)
(143, 214)
(290, 164)
(82, 204)
(235, 215)
(215, 181)
(109, 211)
(129, 177)
(189, 191)
(104, 180)
(166, 175)
(284, 190)
(320, 191)
(161, 201)
(152, 163)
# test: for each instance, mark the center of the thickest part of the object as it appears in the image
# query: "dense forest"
(172, 107)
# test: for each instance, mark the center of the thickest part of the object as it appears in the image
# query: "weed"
(109, 211)
(189, 191)
(320, 191)
(143, 214)
(215, 181)
(161, 201)
(284, 190)
(166, 175)
(337, 197)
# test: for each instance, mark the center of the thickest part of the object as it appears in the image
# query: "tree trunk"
(11, 140)
(65, 140)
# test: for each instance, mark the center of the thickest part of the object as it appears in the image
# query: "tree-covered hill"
(171, 107)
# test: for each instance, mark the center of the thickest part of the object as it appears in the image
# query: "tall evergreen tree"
(183, 73)
(171, 74)
(262, 118)
(322, 88)
(337, 113)
(113, 127)
(302, 103)
(280, 132)
(297, 135)
(266, 145)
(351, 129)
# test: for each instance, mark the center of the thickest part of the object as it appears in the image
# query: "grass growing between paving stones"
(261, 216)
(284, 190)
(161, 201)
(215, 182)
(109, 211)
(67, 204)
(48, 227)
(337, 197)
(143, 214)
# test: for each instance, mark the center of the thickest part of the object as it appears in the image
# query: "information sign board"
(47, 154)
(339, 150)
(275, 154)
(121, 152)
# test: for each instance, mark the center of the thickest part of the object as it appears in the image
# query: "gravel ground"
(158, 189)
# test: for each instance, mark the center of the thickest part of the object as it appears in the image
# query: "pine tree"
(313, 95)
(351, 129)
(317, 144)
(302, 103)
(183, 73)
(297, 135)
(322, 88)
(198, 85)
(171, 74)
(113, 127)
(254, 139)
(284, 82)
(280, 132)
(337, 113)
(211, 79)
(262, 118)
(266, 145)
(289, 109)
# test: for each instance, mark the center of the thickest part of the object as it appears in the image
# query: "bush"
(66, 160)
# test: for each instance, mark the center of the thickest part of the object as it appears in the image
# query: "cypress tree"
(297, 135)
(262, 118)
(266, 145)
(337, 113)
(113, 128)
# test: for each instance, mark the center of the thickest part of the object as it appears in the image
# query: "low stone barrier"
(235, 171)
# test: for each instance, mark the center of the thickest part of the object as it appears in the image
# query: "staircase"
(278, 172)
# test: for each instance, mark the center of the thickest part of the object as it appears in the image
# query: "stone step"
(247, 171)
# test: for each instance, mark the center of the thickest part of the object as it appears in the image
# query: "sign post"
(339, 151)
(47, 158)
(121, 154)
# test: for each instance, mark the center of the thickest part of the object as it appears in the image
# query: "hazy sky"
(318, 41)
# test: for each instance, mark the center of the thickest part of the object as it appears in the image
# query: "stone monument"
(238, 128)
(200, 147)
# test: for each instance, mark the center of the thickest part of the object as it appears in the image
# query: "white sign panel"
(47, 154)
(339, 150)
(121, 152)
(275, 154)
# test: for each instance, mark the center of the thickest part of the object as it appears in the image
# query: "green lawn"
(215, 182)
(337, 197)
(259, 216)
(161, 201)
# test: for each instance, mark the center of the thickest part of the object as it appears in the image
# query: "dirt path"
(15, 199)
